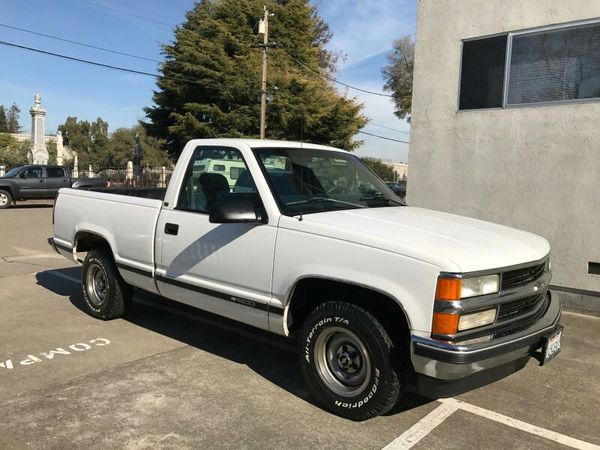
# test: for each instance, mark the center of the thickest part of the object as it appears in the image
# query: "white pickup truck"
(306, 242)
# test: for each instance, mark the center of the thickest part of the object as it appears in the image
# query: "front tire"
(5, 199)
(105, 293)
(345, 356)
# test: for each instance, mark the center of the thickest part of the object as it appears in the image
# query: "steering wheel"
(337, 190)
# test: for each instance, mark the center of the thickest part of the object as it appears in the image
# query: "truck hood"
(453, 243)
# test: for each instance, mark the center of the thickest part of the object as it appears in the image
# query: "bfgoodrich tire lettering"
(105, 293)
(345, 356)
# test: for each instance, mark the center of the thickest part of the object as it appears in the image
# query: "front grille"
(519, 307)
(518, 277)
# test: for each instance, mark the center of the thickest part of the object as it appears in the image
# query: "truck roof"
(264, 143)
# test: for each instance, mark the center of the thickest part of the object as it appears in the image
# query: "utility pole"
(263, 28)
(263, 98)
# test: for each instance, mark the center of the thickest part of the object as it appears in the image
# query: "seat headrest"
(213, 183)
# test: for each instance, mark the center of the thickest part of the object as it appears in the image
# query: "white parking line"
(422, 428)
(520, 425)
(449, 405)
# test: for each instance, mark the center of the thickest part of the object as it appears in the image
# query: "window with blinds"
(555, 65)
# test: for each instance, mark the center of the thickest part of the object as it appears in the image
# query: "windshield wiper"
(324, 199)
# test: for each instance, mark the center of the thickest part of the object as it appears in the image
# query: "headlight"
(477, 319)
(449, 289)
(458, 288)
(472, 287)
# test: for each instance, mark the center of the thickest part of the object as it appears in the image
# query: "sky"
(363, 32)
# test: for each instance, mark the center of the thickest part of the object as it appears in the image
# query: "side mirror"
(23, 175)
(234, 210)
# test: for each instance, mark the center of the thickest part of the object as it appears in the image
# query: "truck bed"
(126, 218)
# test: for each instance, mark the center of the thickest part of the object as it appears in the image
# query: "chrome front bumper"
(447, 361)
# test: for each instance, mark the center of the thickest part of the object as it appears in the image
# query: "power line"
(135, 16)
(79, 43)
(389, 128)
(72, 58)
(334, 80)
(118, 68)
(383, 137)
(147, 11)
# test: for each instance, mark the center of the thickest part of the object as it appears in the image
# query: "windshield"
(13, 172)
(306, 181)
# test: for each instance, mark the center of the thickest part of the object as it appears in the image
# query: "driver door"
(32, 183)
(222, 268)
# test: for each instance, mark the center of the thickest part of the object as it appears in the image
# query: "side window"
(55, 172)
(207, 180)
(34, 172)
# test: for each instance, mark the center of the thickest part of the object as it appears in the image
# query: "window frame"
(27, 169)
(64, 174)
(507, 64)
(190, 166)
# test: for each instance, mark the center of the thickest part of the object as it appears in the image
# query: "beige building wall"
(401, 169)
(536, 167)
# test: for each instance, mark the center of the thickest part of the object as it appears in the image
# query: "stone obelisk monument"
(38, 153)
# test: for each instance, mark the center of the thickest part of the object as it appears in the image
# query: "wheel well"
(7, 189)
(311, 292)
(86, 241)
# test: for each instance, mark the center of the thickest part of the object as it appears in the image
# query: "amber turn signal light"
(444, 323)
(448, 289)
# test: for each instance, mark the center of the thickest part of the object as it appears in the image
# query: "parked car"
(398, 188)
(311, 245)
(35, 182)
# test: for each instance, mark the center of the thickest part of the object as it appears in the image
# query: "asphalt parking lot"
(168, 377)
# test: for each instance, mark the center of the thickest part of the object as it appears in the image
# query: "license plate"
(552, 346)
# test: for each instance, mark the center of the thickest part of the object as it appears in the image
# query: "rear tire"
(5, 199)
(105, 293)
(345, 354)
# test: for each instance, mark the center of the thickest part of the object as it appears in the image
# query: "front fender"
(410, 282)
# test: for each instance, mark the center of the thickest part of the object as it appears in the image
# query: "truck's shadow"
(270, 356)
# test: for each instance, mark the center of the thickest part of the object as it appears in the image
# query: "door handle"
(41, 181)
(171, 228)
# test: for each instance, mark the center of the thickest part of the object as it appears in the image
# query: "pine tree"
(13, 119)
(211, 78)
(3, 121)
